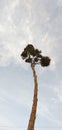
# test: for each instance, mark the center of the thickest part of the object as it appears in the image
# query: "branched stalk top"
(33, 55)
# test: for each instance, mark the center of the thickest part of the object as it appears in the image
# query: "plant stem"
(34, 105)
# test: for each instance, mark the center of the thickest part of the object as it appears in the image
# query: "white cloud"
(5, 122)
(45, 111)
(59, 3)
(22, 23)
(58, 91)
(1, 28)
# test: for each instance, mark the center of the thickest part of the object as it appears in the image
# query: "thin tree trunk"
(34, 105)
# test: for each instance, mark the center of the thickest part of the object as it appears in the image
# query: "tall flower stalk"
(33, 56)
(35, 98)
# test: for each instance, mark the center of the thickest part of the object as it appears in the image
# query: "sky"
(36, 22)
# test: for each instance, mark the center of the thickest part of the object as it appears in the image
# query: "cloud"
(45, 111)
(30, 22)
(59, 3)
(58, 92)
(5, 122)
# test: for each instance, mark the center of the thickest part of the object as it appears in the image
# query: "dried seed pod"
(45, 61)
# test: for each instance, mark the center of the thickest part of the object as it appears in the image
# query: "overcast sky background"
(38, 22)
